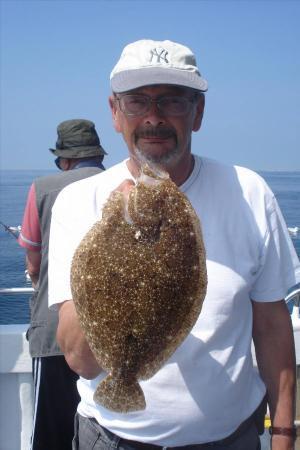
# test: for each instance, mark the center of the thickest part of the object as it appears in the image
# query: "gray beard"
(163, 160)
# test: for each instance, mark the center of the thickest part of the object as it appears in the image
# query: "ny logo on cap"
(160, 54)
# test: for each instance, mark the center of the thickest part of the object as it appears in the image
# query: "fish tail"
(120, 395)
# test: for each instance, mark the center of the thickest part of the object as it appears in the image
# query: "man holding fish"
(197, 379)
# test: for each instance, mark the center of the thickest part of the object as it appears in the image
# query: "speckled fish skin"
(138, 281)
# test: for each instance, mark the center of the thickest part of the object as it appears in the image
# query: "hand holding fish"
(73, 343)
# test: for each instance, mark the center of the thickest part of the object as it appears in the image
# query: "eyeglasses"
(57, 163)
(139, 105)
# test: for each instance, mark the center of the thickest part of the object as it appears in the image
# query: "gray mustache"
(156, 132)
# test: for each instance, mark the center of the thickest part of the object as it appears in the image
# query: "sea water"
(14, 188)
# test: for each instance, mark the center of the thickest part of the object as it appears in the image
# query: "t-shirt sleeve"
(279, 266)
(30, 236)
(66, 231)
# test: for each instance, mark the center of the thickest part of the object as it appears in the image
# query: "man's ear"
(66, 163)
(114, 113)
(199, 112)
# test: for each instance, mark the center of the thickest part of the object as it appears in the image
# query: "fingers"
(125, 187)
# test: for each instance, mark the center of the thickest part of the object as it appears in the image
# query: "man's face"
(158, 133)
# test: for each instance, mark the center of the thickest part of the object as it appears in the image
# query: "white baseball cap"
(147, 62)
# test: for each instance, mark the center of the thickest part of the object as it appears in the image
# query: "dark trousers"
(56, 400)
(89, 435)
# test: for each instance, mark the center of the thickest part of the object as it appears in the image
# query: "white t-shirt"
(208, 386)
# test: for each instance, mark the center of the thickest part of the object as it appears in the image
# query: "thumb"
(125, 187)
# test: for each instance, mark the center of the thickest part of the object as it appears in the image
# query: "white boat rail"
(17, 290)
(293, 296)
(16, 387)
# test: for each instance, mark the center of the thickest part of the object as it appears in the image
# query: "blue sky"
(56, 58)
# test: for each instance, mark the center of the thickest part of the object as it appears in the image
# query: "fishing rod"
(13, 232)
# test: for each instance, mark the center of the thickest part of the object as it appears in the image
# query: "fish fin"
(120, 395)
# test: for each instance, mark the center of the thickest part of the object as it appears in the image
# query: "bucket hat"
(77, 138)
(147, 62)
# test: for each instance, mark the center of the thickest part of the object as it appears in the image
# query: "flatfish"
(138, 281)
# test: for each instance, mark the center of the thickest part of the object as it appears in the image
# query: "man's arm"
(73, 344)
(275, 353)
(33, 263)
(30, 236)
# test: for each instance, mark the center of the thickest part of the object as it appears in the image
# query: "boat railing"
(293, 296)
(293, 303)
(17, 290)
(16, 385)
